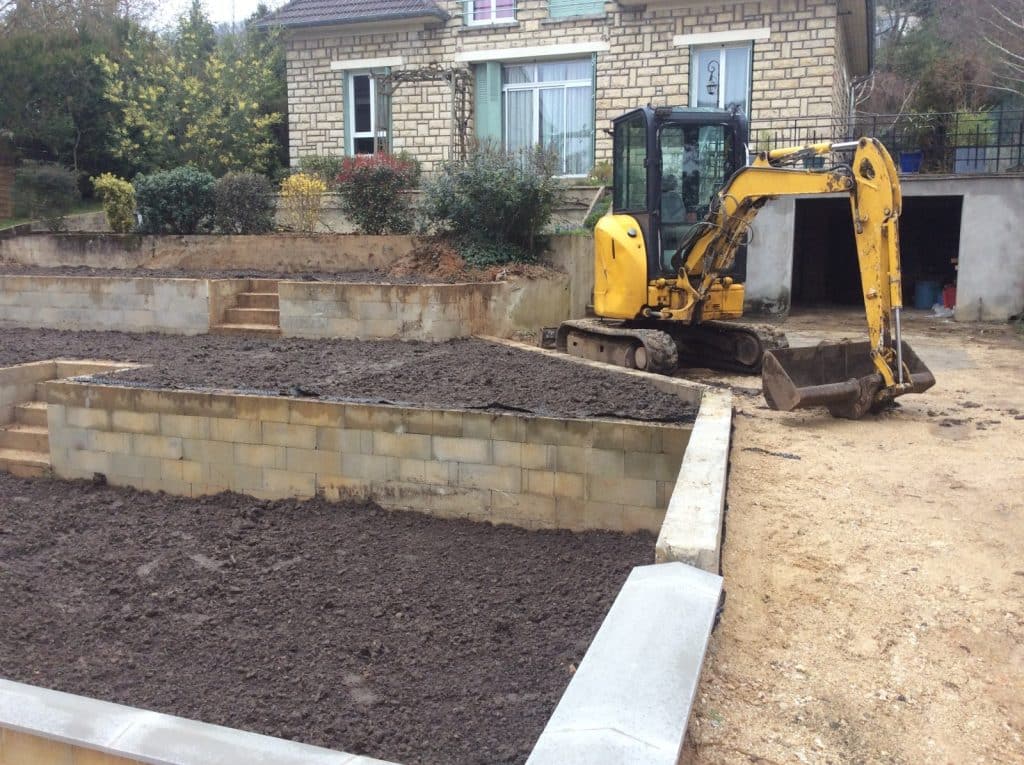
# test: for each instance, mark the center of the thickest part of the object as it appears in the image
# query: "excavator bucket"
(838, 376)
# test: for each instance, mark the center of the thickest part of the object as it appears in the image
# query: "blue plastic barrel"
(926, 294)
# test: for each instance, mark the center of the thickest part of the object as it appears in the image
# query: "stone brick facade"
(799, 69)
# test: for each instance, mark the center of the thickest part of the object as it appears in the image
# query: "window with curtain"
(490, 11)
(361, 106)
(720, 77)
(551, 104)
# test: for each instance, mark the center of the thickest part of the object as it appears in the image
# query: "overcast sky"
(218, 10)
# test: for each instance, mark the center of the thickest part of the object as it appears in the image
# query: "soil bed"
(460, 374)
(393, 634)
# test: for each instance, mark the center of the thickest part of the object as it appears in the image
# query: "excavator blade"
(838, 376)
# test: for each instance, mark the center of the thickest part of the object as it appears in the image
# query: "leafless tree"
(1006, 36)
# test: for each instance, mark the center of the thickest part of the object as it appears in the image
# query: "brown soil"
(385, 633)
(463, 374)
(437, 260)
(874, 569)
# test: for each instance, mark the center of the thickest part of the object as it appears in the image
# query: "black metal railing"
(956, 143)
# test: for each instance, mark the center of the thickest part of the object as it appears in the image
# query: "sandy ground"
(875, 569)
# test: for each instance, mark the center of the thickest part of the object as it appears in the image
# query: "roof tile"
(300, 13)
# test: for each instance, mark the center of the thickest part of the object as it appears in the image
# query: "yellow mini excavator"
(665, 283)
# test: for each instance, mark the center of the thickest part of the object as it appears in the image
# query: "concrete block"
(135, 422)
(319, 413)
(405, 445)
(364, 467)
(606, 463)
(569, 485)
(103, 441)
(337, 488)
(208, 451)
(164, 447)
(130, 466)
(507, 453)
(344, 440)
(375, 418)
(540, 482)
(530, 511)
(652, 467)
(260, 455)
(286, 434)
(622, 491)
(474, 450)
(241, 478)
(474, 476)
(313, 461)
(96, 419)
(88, 462)
(449, 423)
(630, 699)
(263, 408)
(236, 431)
(185, 426)
(477, 425)
(571, 459)
(286, 483)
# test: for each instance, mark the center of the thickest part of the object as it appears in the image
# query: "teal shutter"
(487, 101)
(563, 9)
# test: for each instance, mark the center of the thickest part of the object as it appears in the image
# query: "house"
(556, 71)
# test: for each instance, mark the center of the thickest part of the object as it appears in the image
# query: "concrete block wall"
(178, 306)
(281, 253)
(529, 471)
(794, 70)
(431, 312)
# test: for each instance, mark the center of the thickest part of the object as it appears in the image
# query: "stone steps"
(28, 438)
(257, 300)
(255, 311)
(245, 329)
(24, 464)
(25, 443)
(31, 413)
(265, 316)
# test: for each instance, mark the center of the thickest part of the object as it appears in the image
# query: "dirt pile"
(434, 259)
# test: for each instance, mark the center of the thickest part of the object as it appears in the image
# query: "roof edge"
(440, 15)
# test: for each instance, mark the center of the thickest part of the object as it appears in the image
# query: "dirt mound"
(439, 259)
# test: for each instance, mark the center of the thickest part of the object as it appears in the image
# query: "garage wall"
(990, 283)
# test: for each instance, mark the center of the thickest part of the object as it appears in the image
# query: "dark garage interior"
(825, 268)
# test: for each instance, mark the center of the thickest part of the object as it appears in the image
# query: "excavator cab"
(669, 164)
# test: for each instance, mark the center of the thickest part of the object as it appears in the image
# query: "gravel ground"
(391, 634)
(464, 374)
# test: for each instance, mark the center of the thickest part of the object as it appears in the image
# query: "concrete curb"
(41, 726)
(630, 699)
(692, 529)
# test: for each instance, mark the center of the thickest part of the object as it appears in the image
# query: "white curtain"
(519, 120)
(579, 123)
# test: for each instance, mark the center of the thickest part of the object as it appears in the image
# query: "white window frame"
(537, 87)
(697, 80)
(492, 19)
(350, 111)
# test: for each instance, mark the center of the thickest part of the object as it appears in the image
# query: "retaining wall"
(280, 253)
(529, 471)
(421, 312)
(178, 306)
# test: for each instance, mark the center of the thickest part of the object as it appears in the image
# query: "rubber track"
(662, 354)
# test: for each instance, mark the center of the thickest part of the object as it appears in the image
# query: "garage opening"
(825, 270)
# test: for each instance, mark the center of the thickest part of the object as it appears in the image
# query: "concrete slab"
(149, 737)
(630, 700)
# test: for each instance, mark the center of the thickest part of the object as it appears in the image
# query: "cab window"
(630, 161)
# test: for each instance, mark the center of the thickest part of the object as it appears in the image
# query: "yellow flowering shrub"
(118, 198)
(302, 201)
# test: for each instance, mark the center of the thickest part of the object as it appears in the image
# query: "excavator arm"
(822, 376)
